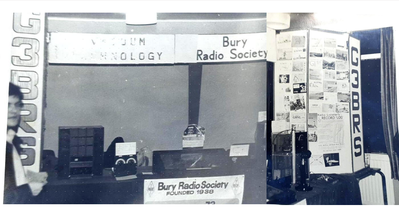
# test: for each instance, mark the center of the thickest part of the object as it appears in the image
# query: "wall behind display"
(231, 97)
(148, 105)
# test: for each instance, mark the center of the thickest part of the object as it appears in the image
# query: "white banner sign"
(200, 190)
(27, 59)
(356, 105)
(220, 48)
(70, 48)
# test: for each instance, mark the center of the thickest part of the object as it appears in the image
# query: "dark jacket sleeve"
(12, 193)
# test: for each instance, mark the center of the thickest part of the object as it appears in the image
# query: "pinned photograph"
(315, 86)
(299, 66)
(312, 136)
(315, 74)
(329, 65)
(342, 65)
(297, 102)
(342, 55)
(284, 66)
(329, 74)
(315, 106)
(343, 86)
(299, 88)
(284, 78)
(282, 103)
(330, 86)
(298, 78)
(316, 160)
(343, 75)
(298, 117)
(284, 54)
(330, 97)
(284, 41)
(342, 107)
(331, 160)
(282, 116)
(316, 52)
(299, 54)
(316, 42)
(329, 53)
(343, 97)
(328, 108)
(315, 63)
(316, 96)
(330, 42)
(312, 121)
(298, 41)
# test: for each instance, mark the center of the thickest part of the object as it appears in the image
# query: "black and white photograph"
(284, 66)
(299, 88)
(330, 86)
(298, 77)
(330, 42)
(312, 136)
(343, 97)
(342, 55)
(298, 66)
(343, 75)
(315, 74)
(154, 103)
(282, 116)
(316, 42)
(342, 65)
(312, 120)
(330, 97)
(328, 64)
(329, 53)
(299, 54)
(284, 78)
(331, 160)
(342, 107)
(328, 108)
(329, 75)
(316, 95)
(315, 63)
(298, 41)
(297, 102)
(284, 54)
(315, 86)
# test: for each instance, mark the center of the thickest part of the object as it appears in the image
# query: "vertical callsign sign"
(27, 66)
(356, 105)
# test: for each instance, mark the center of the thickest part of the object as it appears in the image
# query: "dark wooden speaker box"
(80, 151)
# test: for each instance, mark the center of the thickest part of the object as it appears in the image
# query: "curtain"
(389, 99)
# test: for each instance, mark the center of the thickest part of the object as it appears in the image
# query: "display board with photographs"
(329, 102)
(290, 78)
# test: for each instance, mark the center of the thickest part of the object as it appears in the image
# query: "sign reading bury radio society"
(83, 48)
(220, 48)
(200, 190)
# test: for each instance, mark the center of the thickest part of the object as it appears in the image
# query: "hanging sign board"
(81, 48)
(200, 190)
(220, 48)
(27, 66)
(356, 105)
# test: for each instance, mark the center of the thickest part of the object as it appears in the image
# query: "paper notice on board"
(240, 150)
(330, 129)
(279, 126)
(125, 148)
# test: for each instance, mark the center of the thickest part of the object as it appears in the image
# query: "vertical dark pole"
(270, 112)
(194, 92)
